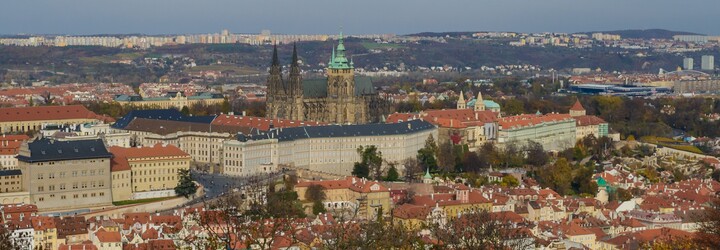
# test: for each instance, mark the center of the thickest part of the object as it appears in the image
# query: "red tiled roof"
(587, 120)
(577, 106)
(108, 236)
(121, 155)
(528, 120)
(353, 183)
(83, 246)
(410, 211)
(48, 113)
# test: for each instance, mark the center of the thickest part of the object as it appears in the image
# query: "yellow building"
(147, 172)
(368, 197)
(66, 175)
(460, 200)
(10, 181)
(32, 118)
(171, 100)
(45, 232)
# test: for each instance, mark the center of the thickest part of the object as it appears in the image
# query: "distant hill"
(645, 34)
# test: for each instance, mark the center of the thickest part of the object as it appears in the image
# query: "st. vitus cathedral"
(342, 98)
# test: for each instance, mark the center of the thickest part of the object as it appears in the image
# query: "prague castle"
(342, 98)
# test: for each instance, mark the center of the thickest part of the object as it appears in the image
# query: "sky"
(85, 17)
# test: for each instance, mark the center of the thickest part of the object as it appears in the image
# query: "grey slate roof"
(313, 88)
(53, 150)
(329, 131)
(160, 114)
(10, 172)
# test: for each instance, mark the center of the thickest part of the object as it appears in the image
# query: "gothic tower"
(341, 86)
(296, 88)
(276, 93)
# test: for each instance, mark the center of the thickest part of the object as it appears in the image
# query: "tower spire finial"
(294, 56)
(275, 60)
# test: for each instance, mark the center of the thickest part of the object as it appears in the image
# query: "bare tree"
(708, 234)
(250, 217)
(479, 229)
(412, 169)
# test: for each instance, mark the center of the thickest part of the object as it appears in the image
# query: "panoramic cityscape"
(358, 127)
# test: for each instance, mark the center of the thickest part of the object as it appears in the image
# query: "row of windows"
(74, 196)
(73, 174)
(74, 186)
(72, 162)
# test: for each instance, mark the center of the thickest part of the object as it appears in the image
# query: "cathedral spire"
(275, 61)
(338, 59)
(294, 56)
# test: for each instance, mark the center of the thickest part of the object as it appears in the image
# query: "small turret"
(479, 104)
(461, 104)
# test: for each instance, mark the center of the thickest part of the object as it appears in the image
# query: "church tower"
(340, 71)
(577, 109)
(275, 82)
(275, 90)
(479, 104)
(296, 88)
(461, 104)
(344, 107)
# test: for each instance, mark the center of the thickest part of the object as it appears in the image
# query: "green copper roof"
(338, 59)
(427, 174)
(601, 182)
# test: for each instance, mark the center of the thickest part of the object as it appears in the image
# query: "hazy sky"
(357, 16)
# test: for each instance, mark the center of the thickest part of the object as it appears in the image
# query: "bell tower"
(340, 72)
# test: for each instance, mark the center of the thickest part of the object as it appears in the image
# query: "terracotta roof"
(83, 246)
(449, 118)
(48, 113)
(157, 150)
(587, 120)
(42, 223)
(577, 106)
(108, 236)
(353, 183)
(528, 120)
(70, 226)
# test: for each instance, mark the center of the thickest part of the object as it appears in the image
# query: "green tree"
(446, 157)
(392, 174)
(225, 106)
(509, 181)
(316, 194)
(427, 156)
(185, 110)
(185, 187)
(624, 194)
(536, 154)
(557, 176)
(370, 163)
(583, 182)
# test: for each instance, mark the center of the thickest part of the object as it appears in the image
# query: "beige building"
(202, 141)
(330, 149)
(11, 181)
(66, 175)
(552, 131)
(153, 171)
(587, 124)
(172, 100)
(351, 194)
(32, 118)
(9, 145)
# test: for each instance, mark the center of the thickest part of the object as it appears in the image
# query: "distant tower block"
(708, 62)
(688, 63)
